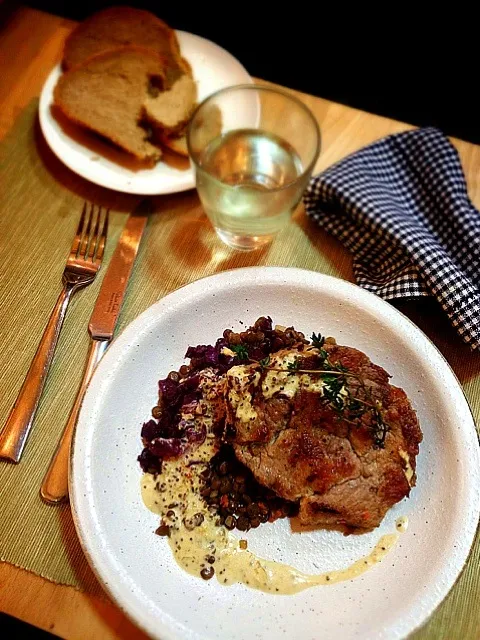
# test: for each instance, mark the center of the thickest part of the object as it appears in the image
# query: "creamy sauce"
(194, 547)
(174, 496)
(401, 524)
(200, 546)
(241, 378)
(286, 382)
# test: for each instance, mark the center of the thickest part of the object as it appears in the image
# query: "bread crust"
(122, 26)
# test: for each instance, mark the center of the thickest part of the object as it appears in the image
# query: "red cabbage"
(149, 462)
(167, 448)
(150, 430)
(169, 390)
(171, 436)
(196, 434)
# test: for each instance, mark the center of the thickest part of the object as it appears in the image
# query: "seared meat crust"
(295, 443)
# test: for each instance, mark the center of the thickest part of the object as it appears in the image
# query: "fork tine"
(82, 252)
(94, 240)
(103, 238)
(78, 235)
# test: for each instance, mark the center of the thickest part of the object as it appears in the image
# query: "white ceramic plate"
(213, 69)
(136, 566)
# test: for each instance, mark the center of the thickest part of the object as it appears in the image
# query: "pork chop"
(342, 443)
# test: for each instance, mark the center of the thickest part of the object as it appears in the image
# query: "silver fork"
(82, 266)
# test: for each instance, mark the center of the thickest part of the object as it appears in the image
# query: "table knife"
(101, 328)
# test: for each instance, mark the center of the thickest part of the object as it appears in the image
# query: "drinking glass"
(253, 149)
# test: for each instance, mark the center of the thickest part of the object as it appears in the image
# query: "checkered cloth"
(401, 207)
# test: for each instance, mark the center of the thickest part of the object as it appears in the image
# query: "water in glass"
(247, 181)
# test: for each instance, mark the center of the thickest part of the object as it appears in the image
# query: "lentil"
(207, 573)
(238, 499)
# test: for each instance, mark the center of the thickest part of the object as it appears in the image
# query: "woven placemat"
(40, 202)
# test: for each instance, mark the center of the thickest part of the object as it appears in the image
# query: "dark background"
(413, 63)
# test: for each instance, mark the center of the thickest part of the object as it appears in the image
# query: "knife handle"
(54, 487)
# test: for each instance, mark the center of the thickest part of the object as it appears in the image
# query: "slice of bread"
(121, 26)
(176, 144)
(106, 94)
(205, 129)
(170, 110)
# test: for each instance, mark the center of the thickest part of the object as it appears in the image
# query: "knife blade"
(101, 327)
(109, 302)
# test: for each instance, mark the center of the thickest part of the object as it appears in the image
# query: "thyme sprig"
(337, 390)
(294, 366)
(264, 362)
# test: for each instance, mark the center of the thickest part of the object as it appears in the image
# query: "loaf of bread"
(119, 26)
(106, 94)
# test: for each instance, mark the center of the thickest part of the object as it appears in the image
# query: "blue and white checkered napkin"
(401, 207)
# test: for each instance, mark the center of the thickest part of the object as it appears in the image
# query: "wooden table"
(30, 45)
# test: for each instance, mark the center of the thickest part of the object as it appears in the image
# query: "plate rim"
(138, 616)
(45, 103)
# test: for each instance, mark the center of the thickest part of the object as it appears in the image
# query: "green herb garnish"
(318, 340)
(240, 351)
(264, 362)
(294, 366)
